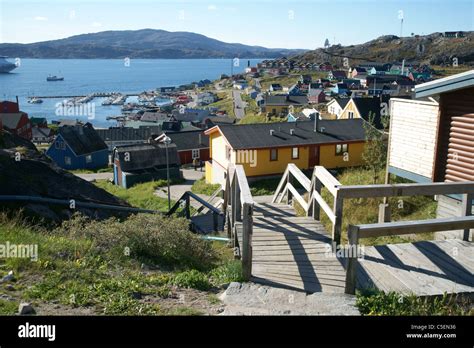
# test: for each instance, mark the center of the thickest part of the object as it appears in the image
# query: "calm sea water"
(84, 76)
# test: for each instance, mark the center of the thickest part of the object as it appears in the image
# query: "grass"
(202, 187)
(140, 195)
(264, 187)
(93, 171)
(91, 265)
(225, 103)
(374, 302)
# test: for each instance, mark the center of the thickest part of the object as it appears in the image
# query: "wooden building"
(432, 137)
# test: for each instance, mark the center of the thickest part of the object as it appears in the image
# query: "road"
(239, 104)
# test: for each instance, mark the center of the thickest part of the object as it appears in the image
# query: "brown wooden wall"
(454, 104)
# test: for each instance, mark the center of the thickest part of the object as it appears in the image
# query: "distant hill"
(433, 49)
(145, 43)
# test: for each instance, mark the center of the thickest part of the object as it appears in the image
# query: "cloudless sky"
(270, 23)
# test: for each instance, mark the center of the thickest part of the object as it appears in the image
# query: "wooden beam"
(327, 179)
(300, 177)
(466, 210)
(337, 224)
(246, 247)
(298, 197)
(409, 227)
(321, 203)
(280, 186)
(399, 190)
(317, 198)
(246, 196)
(351, 271)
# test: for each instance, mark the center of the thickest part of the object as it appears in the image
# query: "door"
(313, 156)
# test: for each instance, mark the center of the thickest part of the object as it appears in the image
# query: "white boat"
(5, 65)
(54, 78)
(35, 100)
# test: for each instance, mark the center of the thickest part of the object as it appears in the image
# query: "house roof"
(41, 132)
(145, 156)
(339, 73)
(341, 101)
(82, 139)
(444, 85)
(367, 106)
(128, 133)
(188, 140)
(285, 100)
(254, 136)
(11, 120)
(154, 116)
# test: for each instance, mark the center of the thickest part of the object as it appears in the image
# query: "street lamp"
(167, 141)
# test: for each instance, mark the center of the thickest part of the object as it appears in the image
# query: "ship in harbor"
(5, 65)
(54, 78)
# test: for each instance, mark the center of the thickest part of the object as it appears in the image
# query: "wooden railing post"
(188, 211)
(316, 207)
(238, 204)
(246, 248)
(466, 211)
(289, 180)
(337, 226)
(352, 260)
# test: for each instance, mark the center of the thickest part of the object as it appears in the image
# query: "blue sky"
(270, 23)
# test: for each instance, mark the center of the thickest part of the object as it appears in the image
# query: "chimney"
(272, 131)
(292, 131)
(322, 129)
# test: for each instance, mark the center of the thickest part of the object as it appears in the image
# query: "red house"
(316, 96)
(14, 120)
(191, 146)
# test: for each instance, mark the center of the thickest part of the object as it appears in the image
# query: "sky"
(270, 23)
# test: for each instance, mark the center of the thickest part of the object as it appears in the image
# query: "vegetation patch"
(202, 187)
(373, 302)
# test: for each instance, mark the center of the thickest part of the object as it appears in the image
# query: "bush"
(192, 279)
(149, 238)
(374, 302)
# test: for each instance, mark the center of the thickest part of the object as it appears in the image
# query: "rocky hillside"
(433, 49)
(35, 175)
(145, 43)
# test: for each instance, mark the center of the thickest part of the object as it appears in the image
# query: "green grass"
(96, 265)
(264, 187)
(374, 302)
(140, 195)
(201, 187)
(92, 171)
(225, 103)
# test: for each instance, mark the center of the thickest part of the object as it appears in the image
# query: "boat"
(54, 78)
(5, 65)
(35, 100)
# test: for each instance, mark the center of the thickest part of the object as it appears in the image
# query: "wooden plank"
(409, 227)
(327, 179)
(466, 210)
(352, 262)
(298, 197)
(245, 195)
(299, 176)
(322, 203)
(399, 190)
(247, 232)
(280, 186)
(337, 225)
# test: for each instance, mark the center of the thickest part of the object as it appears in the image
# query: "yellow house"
(280, 105)
(266, 149)
(363, 107)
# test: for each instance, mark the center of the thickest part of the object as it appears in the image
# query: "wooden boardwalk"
(291, 251)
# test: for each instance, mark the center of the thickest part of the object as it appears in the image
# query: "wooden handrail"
(237, 195)
(355, 232)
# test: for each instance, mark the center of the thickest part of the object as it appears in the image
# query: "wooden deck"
(292, 252)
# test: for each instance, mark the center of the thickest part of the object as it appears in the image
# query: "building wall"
(218, 145)
(349, 107)
(413, 132)
(186, 157)
(328, 158)
(264, 166)
(278, 109)
(449, 207)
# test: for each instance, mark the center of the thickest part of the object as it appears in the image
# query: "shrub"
(201, 187)
(149, 238)
(192, 279)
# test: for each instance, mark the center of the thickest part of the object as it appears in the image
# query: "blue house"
(79, 147)
(341, 88)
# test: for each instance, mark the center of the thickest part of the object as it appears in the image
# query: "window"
(295, 153)
(273, 154)
(195, 153)
(88, 159)
(60, 145)
(341, 149)
(67, 160)
(351, 114)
